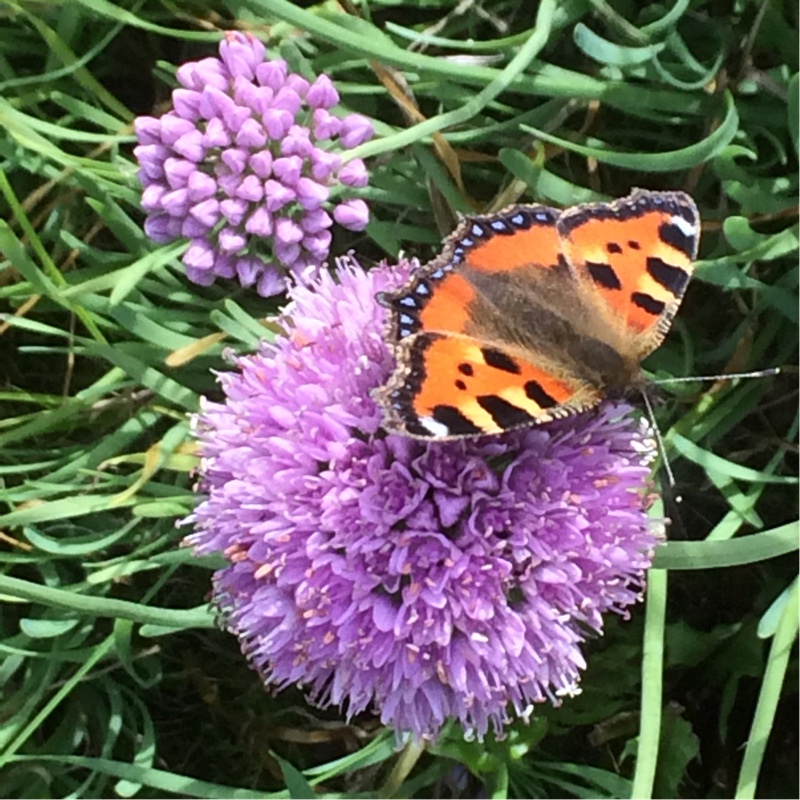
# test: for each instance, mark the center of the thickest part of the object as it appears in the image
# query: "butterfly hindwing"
(451, 385)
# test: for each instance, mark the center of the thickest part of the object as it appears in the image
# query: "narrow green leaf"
(605, 52)
(671, 161)
(729, 553)
(652, 679)
(767, 706)
(94, 606)
(163, 780)
(46, 628)
(710, 462)
(793, 110)
(768, 624)
(299, 788)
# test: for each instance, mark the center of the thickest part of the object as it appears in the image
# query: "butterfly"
(534, 313)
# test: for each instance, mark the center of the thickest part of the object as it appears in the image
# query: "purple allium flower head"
(426, 580)
(247, 139)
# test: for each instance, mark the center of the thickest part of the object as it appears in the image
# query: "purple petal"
(288, 169)
(186, 103)
(326, 126)
(207, 212)
(298, 84)
(202, 277)
(271, 282)
(272, 73)
(228, 184)
(201, 186)
(234, 210)
(162, 228)
(287, 231)
(176, 202)
(356, 129)
(235, 159)
(322, 93)
(288, 100)
(277, 121)
(318, 244)
(248, 269)
(263, 99)
(224, 266)
(198, 74)
(178, 171)
(231, 241)
(147, 130)
(190, 146)
(246, 93)
(173, 127)
(287, 253)
(251, 188)
(151, 197)
(277, 195)
(193, 228)
(324, 164)
(315, 221)
(241, 53)
(151, 158)
(199, 255)
(215, 103)
(352, 214)
(259, 223)
(304, 269)
(297, 142)
(310, 194)
(354, 173)
(236, 117)
(216, 134)
(251, 134)
(261, 163)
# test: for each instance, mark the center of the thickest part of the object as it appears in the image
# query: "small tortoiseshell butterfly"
(534, 313)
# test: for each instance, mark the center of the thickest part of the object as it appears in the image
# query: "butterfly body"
(534, 313)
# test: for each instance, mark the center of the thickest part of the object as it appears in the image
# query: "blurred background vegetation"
(115, 680)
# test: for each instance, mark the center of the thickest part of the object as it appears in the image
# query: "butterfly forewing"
(440, 296)
(637, 254)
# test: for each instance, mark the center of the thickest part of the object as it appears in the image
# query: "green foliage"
(114, 679)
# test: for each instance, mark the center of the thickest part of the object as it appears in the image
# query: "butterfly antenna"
(660, 442)
(761, 373)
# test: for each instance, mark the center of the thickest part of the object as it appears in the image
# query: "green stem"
(768, 697)
(405, 763)
(94, 606)
(652, 678)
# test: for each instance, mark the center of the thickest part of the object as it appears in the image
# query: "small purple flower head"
(248, 141)
(425, 580)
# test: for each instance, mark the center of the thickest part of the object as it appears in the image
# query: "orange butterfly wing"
(450, 383)
(528, 314)
(638, 254)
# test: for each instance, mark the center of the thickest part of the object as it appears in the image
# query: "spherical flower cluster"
(427, 580)
(244, 166)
